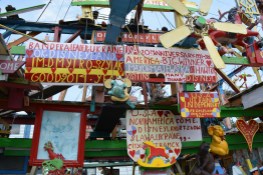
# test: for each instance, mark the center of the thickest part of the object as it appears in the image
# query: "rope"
(43, 10)
(167, 20)
(67, 10)
(59, 10)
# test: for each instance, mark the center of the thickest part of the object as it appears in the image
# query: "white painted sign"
(159, 128)
(189, 129)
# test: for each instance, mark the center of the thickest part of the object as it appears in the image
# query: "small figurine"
(205, 161)
(119, 90)
(219, 145)
(56, 163)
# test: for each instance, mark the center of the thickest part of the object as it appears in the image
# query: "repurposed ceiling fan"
(200, 27)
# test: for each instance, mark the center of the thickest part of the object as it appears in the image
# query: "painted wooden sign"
(199, 105)
(189, 129)
(248, 130)
(143, 38)
(151, 64)
(9, 67)
(153, 139)
(73, 63)
(147, 5)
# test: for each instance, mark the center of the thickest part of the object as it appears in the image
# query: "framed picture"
(59, 132)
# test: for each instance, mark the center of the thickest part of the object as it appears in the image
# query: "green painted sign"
(153, 5)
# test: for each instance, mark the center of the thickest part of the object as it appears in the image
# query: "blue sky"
(56, 10)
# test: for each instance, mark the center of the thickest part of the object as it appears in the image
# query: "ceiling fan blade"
(216, 58)
(178, 6)
(205, 6)
(170, 38)
(229, 27)
(20, 33)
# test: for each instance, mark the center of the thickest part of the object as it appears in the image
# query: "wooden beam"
(73, 36)
(228, 80)
(24, 10)
(139, 12)
(22, 39)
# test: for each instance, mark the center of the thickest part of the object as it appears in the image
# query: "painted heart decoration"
(29, 53)
(208, 62)
(160, 113)
(70, 69)
(248, 130)
(177, 151)
(88, 71)
(28, 69)
(119, 56)
(132, 153)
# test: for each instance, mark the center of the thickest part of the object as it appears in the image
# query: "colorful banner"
(142, 38)
(199, 105)
(153, 139)
(151, 64)
(73, 63)
(91, 63)
(189, 129)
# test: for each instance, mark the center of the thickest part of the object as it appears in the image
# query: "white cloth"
(236, 170)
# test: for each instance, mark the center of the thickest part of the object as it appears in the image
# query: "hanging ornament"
(248, 130)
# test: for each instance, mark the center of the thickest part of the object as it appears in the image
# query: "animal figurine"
(218, 145)
(205, 162)
(55, 165)
(119, 90)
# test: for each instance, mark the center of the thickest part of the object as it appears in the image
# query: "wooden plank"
(19, 11)
(22, 39)
(114, 148)
(236, 60)
(3, 48)
(228, 80)
(252, 98)
(18, 50)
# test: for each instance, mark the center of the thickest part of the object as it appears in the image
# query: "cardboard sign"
(199, 105)
(143, 38)
(73, 63)
(189, 129)
(155, 130)
(248, 130)
(151, 64)
(9, 67)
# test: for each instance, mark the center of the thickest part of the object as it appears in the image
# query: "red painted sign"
(9, 67)
(199, 105)
(146, 38)
(73, 63)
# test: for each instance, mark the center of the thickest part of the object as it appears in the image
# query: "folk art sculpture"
(54, 166)
(218, 145)
(118, 90)
(205, 163)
